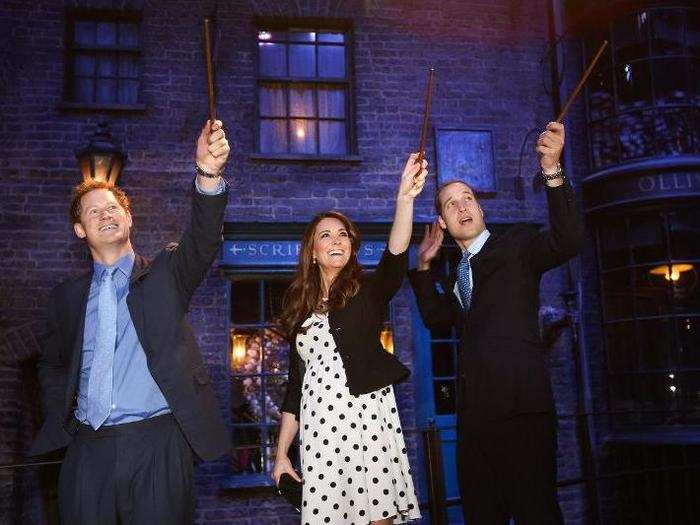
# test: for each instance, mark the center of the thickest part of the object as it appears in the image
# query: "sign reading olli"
(250, 253)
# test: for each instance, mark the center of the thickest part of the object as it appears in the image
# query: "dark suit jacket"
(158, 300)
(502, 369)
(355, 330)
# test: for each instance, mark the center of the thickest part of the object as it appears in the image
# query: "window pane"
(688, 394)
(694, 85)
(444, 392)
(106, 33)
(301, 102)
(443, 359)
(107, 66)
(84, 33)
(636, 135)
(633, 85)
(303, 136)
(274, 291)
(128, 34)
(692, 32)
(275, 389)
(686, 287)
(331, 102)
(617, 295)
(128, 91)
(684, 226)
(600, 93)
(647, 239)
(652, 291)
(667, 31)
(332, 137)
(654, 344)
(128, 67)
(631, 37)
(646, 392)
(84, 65)
(272, 59)
(331, 37)
(245, 302)
(670, 86)
(621, 346)
(83, 89)
(689, 335)
(302, 36)
(273, 102)
(676, 132)
(302, 60)
(442, 333)
(106, 90)
(273, 136)
(613, 244)
(604, 145)
(331, 61)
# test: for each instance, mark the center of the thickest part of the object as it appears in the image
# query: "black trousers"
(508, 469)
(135, 473)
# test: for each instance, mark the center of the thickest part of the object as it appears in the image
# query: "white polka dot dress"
(353, 456)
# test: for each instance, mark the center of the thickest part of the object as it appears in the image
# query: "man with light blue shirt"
(506, 423)
(123, 382)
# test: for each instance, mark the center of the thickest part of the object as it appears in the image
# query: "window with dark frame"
(259, 358)
(648, 264)
(444, 343)
(643, 97)
(102, 58)
(304, 91)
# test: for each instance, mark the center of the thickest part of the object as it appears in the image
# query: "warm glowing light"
(301, 133)
(672, 388)
(671, 376)
(264, 35)
(386, 337)
(238, 347)
(674, 274)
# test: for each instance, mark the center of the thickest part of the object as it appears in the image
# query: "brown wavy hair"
(304, 294)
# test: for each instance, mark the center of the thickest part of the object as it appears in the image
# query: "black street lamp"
(101, 159)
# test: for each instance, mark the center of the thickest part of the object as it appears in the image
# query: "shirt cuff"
(218, 191)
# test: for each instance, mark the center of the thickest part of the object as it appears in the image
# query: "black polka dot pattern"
(354, 457)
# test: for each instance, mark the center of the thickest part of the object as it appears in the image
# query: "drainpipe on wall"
(574, 294)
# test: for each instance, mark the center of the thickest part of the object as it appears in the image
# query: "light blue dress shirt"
(135, 394)
(474, 248)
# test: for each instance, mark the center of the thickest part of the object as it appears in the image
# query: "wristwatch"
(200, 171)
(559, 174)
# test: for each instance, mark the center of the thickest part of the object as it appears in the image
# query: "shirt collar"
(124, 264)
(478, 243)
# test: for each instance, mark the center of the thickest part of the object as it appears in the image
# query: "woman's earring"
(313, 260)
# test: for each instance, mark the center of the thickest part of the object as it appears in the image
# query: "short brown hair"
(86, 187)
(438, 206)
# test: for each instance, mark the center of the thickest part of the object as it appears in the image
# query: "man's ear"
(442, 223)
(79, 230)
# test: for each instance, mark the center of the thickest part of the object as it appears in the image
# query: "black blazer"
(355, 330)
(158, 300)
(502, 369)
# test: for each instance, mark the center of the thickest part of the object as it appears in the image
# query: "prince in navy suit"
(124, 387)
(506, 425)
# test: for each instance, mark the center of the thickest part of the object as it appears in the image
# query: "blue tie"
(99, 395)
(464, 285)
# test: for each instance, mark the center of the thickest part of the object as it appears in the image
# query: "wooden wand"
(581, 82)
(210, 70)
(426, 116)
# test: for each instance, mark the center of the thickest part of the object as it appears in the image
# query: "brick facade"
(487, 56)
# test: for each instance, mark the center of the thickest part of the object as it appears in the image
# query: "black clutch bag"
(290, 489)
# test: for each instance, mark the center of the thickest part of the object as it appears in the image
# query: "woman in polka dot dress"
(340, 396)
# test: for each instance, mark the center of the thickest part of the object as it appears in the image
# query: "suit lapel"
(77, 304)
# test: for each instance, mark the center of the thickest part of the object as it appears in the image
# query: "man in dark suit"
(505, 410)
(123, 382)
